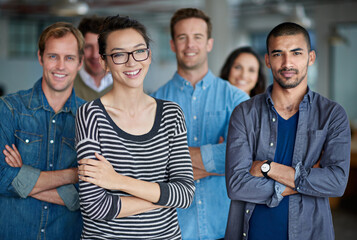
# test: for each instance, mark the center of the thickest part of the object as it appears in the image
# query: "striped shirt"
(160, 156)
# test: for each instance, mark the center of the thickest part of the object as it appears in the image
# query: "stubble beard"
(289, 83)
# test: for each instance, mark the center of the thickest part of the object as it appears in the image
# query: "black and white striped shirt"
(160, 156)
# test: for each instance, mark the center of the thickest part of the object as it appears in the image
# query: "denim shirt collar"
(181, 83)
(307, 97)
(39, 100)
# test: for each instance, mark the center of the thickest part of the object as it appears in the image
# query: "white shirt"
(106, 81)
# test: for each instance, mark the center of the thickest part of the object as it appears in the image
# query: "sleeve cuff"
(70, 196)
(207, 157)
(297, 175)
(277, 197)
(164, 194)
(25, 180)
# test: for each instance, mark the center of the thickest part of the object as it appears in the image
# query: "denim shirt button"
(51, 165)
(194, 98)
(195, 138)
(244, 234)
(247, 211)
(51, 141)
(199, 202)
(198, 181)
(42, 230)
(53, 121)
(194, 117)
(45, 207)
(271, 144)
(273, 119)
(27, 141)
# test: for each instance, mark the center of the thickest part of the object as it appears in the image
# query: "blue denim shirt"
(323, 128)
(45, 140)
(207, 109)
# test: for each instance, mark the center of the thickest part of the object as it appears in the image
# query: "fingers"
(100, 157)
(9, 159)
(93, 162)
(12, 156)
(87, 170)
(87, 161)
(16, 151)
(87, 179)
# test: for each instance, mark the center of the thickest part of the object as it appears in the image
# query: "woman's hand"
(99, 172)
(12, 156)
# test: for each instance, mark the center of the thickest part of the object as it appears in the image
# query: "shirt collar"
(203, 83)
(106, 81)
(269, 100)
(39, 100)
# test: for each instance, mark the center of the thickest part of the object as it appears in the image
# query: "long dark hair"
(261, 83)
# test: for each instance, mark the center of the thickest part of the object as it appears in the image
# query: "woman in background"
(244, 70)
(135, 167)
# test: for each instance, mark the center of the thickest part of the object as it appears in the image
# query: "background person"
(207, 102)
(38, 170)
(288, 150)
(244, 70)
(92, 80)
(135, 168)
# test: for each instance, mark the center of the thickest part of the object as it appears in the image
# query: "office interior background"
(332, 25)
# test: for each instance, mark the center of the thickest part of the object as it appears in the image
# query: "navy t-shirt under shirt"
(272, 223)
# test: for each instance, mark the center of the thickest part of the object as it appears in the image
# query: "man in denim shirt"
(207, 102)
(288, 150)
(38, 168)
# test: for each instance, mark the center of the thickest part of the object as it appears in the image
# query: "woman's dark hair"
(114, 23)
(261, 83)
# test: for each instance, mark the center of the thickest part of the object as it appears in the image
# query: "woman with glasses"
(135, 167)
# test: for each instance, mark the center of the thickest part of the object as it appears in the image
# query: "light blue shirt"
(207, 109)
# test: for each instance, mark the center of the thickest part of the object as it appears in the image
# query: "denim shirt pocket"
(29, 146)
(216, 125)
(68, 155)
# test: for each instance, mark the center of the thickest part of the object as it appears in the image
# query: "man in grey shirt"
(288, 150)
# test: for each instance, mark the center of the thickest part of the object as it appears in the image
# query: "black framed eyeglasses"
(123, 57)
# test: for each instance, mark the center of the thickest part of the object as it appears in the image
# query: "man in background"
(38, 167)
(207, 102)
(92, 81)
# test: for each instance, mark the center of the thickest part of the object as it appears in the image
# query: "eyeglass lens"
(123, 57)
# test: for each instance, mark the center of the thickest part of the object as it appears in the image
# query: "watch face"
(265, 167)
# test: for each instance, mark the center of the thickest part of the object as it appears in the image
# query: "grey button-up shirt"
(323, 128)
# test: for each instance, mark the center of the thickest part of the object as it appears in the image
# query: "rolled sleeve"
(213, 157)
(70, 196)
(25, 180)
(277, 196)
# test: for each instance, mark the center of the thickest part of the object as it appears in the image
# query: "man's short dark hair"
(287, 29)
(91, 24)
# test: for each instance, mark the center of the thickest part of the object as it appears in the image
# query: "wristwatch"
(265, 168)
